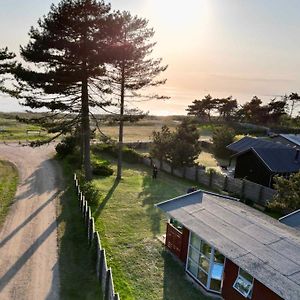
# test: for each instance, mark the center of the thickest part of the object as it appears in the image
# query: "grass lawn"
(8, 187)
(76, 262)
(129, 226)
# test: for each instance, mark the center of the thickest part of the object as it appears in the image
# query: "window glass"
(219, 258)
(195, 241)
(217, 271)
(245, 275)
(215, 285)
(205, 249)
(192, 267)
(202, 276)
(204, 263)
(194, 254)
(244, 283)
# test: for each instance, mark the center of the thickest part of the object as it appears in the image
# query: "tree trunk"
(85, 119)
(121, 124)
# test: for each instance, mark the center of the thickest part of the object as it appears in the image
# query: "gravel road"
(28, 238)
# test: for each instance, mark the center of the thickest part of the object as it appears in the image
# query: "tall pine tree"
(66, 55)
(133, 70)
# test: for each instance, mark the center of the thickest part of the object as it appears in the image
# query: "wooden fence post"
(261, 194)
(225, 183)
(243, 189)
(211, 174)
(196, 173)
(107, 284)
(91, 230)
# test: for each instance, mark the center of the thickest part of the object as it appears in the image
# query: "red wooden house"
(233, 250)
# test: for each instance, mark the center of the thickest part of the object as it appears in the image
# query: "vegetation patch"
(8, 187)
(76, 261)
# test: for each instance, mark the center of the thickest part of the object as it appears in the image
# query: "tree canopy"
(287, 198)
(180, 148)
(133, 69)
(7, 65)
(65, 62)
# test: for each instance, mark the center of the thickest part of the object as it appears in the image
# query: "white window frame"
(249, 294)
(210, 259)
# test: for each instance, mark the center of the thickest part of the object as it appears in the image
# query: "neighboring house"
(260, 165)
(291, 140)
(249, 142)
(292, 219)
(231, 249)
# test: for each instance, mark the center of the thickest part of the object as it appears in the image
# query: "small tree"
(185, 146)
(222, 137)
(287, 198)
(162, 143)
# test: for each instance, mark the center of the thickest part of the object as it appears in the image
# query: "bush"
(102, 168)
(91, 193)
(66, 146)
(129, 155)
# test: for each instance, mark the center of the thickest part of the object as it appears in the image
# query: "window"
(205, 264)
(244, 283)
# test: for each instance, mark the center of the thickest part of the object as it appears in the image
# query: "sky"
(222, 47)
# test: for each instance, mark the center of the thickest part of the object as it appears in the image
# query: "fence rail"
(243, 189)
(104, 274)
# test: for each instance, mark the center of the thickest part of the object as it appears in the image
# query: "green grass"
(8, 187)
(76, 261)
(12, 130)
(129, 225)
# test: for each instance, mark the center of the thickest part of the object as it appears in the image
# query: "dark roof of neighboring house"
(294, 138)
(248, 142)
(265, 248)
(292, 219)
(278, 160)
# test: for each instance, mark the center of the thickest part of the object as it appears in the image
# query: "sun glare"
(180, 15)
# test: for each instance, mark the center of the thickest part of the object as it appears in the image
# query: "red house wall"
(177, 242)
(229, 293)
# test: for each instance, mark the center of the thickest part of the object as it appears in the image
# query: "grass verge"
(8, 187)
(76, 261)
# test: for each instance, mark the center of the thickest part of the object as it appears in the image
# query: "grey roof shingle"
(294, 138)
(248, 142)
(278, 160)
(267, 249)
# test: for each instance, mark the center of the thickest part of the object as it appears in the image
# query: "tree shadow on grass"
(106, 198)
(153, 192)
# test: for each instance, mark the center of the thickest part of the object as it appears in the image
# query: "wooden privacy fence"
(104, 274)
(243, 189)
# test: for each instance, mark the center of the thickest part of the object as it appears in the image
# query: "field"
(8, 186)
(130, 225)
(12, 130)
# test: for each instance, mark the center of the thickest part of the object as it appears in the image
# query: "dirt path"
(28, 238)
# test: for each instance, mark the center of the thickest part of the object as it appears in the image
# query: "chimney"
(297, 155)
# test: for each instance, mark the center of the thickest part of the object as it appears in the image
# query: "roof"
(265, 248)
(278, 160)
(294, 138)
(292, 219)
(248, 142)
